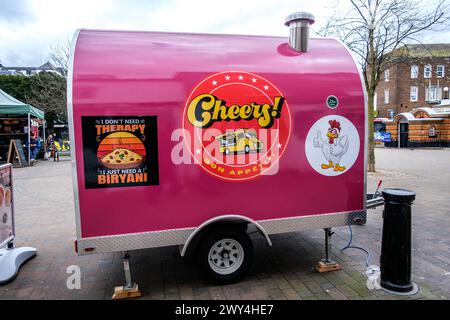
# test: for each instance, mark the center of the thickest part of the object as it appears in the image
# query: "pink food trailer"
(193, 139)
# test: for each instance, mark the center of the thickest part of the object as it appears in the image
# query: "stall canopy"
(10, 105)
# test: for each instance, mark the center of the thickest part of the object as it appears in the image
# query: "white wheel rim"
(226, 256)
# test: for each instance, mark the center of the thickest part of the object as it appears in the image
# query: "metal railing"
(419, 142)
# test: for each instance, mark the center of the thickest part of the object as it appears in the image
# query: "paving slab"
(45, 219)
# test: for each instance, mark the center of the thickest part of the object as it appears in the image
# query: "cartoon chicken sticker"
(334, 147)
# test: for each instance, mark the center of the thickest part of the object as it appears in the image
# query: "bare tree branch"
(59, 57)
(378, 33)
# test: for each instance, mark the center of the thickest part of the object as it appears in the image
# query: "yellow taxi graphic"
(241, 140)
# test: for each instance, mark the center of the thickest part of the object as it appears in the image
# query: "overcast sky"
(29, 27)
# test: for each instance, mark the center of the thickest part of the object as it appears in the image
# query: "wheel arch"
(218, 221)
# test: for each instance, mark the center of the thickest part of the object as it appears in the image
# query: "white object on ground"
(11, 260)
(373, 274)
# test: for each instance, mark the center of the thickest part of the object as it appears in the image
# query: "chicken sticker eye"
(334, 152)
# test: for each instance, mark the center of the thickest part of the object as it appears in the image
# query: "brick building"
(421, 80)
(412, 97)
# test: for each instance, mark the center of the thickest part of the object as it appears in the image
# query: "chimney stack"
(298, 24)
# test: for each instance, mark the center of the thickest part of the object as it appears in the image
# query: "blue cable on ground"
(349, 246)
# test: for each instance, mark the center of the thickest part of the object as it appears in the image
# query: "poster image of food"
(6, 205)
(120, 151)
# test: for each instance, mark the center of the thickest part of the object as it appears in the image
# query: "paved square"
(45, 219)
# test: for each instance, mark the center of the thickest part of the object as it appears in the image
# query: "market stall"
(17, 121)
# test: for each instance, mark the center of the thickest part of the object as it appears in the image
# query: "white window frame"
(375, 100)
(386, 96)
(432, 131)
(432, 97)
(427, 71)
(386, 75)
(414, 71)
(438, 73)
(415, 97)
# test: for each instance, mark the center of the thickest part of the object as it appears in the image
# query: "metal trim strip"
(172, 237)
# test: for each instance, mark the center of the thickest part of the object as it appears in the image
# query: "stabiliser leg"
(326, 264)
(130, 289)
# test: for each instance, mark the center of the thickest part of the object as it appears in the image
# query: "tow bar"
(374, 200)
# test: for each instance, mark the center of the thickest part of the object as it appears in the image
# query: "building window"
(431, 94)
(414, 72)
(440, 71)
(386, 96)
(413, 94)
(432, 132)
(386, 75)
(391, 114)
(427, 71)
(375, 102)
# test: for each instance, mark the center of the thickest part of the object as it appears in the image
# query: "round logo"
(332, 145)
(332, 102)
(236, 125)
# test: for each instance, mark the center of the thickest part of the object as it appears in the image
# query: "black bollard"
(395, 261)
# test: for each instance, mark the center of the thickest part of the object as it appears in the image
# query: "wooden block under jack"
(124, 293)
(323, 266)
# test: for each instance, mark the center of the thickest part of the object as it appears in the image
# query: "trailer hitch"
(374, 200)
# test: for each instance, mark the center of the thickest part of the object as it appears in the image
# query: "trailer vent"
(298, 24)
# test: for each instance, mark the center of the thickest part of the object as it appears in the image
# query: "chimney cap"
(301, 15)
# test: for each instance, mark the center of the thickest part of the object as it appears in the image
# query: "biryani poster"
(120, 151)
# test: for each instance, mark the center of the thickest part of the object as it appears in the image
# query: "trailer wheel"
(226, 255)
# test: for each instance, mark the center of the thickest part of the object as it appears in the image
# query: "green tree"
(45, 90)
(16, 86)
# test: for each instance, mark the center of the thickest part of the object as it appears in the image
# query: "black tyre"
(225, 255)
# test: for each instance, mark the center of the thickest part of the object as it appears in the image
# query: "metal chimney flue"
(298, 24)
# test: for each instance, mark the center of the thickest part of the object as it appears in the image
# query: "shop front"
(421, 128)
